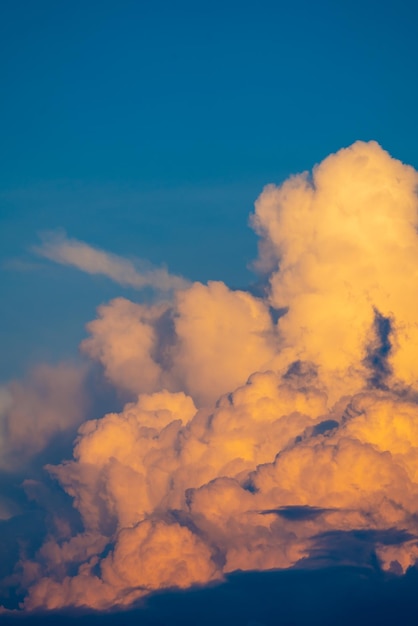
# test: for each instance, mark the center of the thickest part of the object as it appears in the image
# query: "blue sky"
(149, 129)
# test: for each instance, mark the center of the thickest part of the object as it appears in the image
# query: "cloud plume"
(58, 248)
(253, 440)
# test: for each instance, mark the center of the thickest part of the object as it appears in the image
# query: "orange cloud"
(343, 243)
(249, 441)
(56, 247)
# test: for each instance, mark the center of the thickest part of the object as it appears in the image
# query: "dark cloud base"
(330, 596)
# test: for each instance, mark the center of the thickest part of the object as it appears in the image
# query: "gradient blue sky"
(149, 128)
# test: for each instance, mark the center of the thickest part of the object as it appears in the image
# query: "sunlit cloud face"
(340, 246)
(251, 442)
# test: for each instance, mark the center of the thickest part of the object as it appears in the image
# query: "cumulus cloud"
(253, 440)
(207, 341)
(58, 248)
(339, 246)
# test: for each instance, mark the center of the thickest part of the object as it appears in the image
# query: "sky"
(154, 289)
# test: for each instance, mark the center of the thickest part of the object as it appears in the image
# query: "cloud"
(340, 246)
(206, 342)
(58, 248)
(251, 440)
(48, 405)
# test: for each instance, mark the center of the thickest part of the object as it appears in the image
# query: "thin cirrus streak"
(253, 442)
(58, 248)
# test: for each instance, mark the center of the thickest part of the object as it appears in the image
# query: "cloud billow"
(253, 442)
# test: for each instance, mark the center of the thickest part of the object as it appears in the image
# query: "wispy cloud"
(57, 247)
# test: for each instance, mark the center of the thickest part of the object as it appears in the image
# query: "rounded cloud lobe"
(251, 442)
